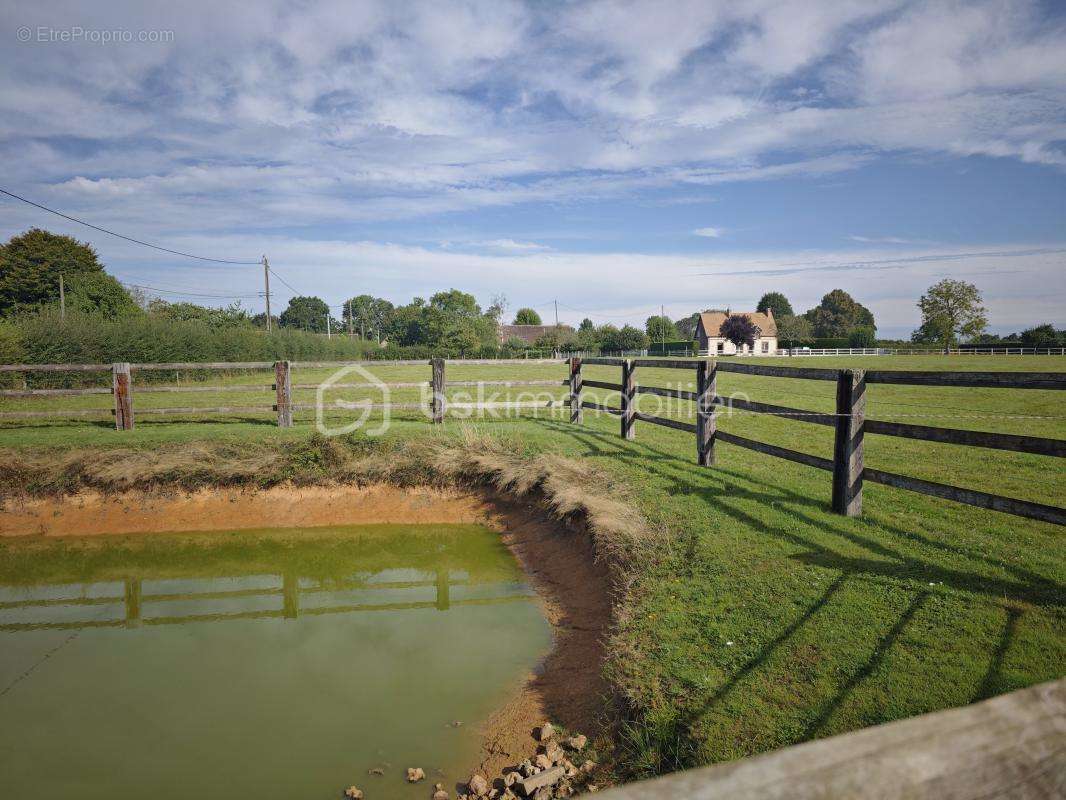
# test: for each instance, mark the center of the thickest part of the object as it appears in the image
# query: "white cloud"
(883, 240)
(329, 116)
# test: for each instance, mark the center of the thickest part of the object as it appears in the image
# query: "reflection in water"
(212, 666)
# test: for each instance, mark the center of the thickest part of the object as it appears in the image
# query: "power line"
(194, 294)
(121, 236)
(284, 282)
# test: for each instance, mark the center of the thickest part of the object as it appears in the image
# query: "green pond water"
(265, 664)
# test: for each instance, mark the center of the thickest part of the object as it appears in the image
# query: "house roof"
(530, 333)
(712, 322)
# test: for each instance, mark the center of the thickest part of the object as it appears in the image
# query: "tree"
(587, 338)
(99, 293)
(259, 320)
(527, 316)
(837, 314)
(794, 329)
(1043, 336)
(686, 328)
(30, 266)
(776, 301)
(454, 316)
(862, 337)
(660, 329)
(739, 329)
(305, 313)
(951, 309)
(497, 307)
(232, 316)
(370, 315)
(628, 338)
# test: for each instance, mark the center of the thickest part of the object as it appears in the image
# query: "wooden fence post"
(575, 390)
(437, 402)
(706, 425)
(122, 387)
(283, 386)
(629, 399)
(847, 445)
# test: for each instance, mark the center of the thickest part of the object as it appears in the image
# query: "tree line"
(452, 321)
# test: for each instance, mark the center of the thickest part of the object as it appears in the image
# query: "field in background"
(772, 620)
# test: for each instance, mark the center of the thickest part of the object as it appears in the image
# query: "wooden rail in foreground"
(1011, 747)
(849, 421)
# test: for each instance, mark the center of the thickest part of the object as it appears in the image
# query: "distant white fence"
(908, 351)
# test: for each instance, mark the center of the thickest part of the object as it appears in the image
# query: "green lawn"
(772, 620)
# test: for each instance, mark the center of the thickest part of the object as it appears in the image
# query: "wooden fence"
(122, 388)
(848, 421)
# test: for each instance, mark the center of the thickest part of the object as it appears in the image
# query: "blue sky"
(616, 156)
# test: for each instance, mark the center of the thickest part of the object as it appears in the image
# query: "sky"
(614, 156)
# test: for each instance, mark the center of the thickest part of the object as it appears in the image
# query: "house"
(711, 342)
(530, 333)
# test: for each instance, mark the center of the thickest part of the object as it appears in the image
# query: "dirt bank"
(567, 687)
(92, 513)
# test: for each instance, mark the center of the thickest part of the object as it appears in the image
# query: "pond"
(266, 664)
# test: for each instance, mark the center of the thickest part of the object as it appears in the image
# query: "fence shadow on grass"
(724, 489)
(718, 487)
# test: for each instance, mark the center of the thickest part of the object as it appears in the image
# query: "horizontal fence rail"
(848, 420)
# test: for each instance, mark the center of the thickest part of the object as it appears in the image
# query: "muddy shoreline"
(567, 687)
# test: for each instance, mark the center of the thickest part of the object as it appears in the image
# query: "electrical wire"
(284, 282)
(127, 238)
(194, 294)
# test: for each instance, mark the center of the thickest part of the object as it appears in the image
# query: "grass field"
(771, 620)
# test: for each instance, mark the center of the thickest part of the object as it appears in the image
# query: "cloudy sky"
(614, 156)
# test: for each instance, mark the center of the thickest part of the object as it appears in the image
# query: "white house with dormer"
(711, 342)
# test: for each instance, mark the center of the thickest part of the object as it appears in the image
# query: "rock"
(479, 786)
(375, 771)
(553, 751)
(588, 766)
(545, 732)
(544, 793)
(548, 777)
(592, 788)
(440, 794)
(353, 794)
(542, 761)
(511, 778)
(577, 742)
(526, 768)
(415, 774)
(564, 789)
(571, 770)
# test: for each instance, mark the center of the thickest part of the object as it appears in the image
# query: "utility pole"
(350, 318)
(329, 331)
(662, 326)
(556, 313)
(266, 283)
(62, 299)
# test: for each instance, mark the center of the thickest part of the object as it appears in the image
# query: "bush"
(90, 339)
(687, 346)
(862, 337)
